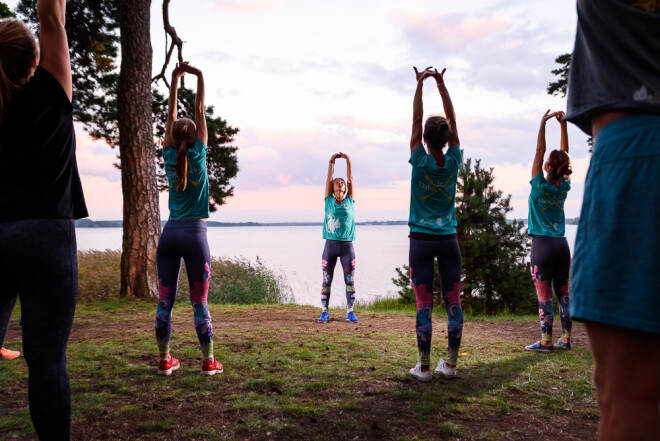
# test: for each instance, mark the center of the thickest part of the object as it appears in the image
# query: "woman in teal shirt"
(432, 224)
(339, 234)
(550, 259)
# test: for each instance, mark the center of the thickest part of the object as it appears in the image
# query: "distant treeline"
(87, 223)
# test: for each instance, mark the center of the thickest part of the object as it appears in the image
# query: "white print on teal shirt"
(332, 224)
(552, 226)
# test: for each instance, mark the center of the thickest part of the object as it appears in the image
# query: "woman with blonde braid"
(184, 234)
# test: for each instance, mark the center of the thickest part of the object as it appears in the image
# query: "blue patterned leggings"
(422, 257)
(550, 264)
(184, 240)
(344, 251)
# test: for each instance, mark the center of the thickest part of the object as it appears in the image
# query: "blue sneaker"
(350, 317)
(324, 317)
(538, 347)
(561, 345)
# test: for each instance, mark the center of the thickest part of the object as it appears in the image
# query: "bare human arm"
(418, 110)
(200, 116)
(563, 143)
(537, 165)
(349, 175)
(172, 104)
(448, 107)
(53, 43)
(331, 171)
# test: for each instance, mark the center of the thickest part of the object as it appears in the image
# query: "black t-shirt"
(616, 60)
(38, 170)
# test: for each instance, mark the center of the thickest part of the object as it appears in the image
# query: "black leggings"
(550, 264)
(38, 262)
(344, 251)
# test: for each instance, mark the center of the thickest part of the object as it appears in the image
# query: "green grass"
(299, 381)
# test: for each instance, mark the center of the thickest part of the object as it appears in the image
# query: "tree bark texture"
(137, 153)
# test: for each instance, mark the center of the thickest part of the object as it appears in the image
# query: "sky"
(305, 79)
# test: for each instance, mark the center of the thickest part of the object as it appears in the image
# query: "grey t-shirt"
(616, 60)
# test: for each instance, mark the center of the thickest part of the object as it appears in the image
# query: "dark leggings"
(550, 264)
(344, 251)
(5, 316)
(184, 240)
(422, 259)
(38, 262)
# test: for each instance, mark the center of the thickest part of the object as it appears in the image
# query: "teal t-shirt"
(546, 207)
(193, 202)
(432, 192)
(339, 222)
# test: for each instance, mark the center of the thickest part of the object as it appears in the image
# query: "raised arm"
(172, 103)
(349, 175)
(563, 143)
(418, 110)
(331, 171)
(448, 107)
(537, 165)
(200, 116)
(53, 43)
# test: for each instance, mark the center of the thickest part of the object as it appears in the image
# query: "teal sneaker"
(324, 317)
(538, 347)
(350, 317)
(561, 345)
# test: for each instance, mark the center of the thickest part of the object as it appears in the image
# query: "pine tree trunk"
(137, 153)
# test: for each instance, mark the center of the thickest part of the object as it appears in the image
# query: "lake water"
(295, 253)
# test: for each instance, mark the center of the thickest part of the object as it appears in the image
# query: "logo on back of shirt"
(434, 187)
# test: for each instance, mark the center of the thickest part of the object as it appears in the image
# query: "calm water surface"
(295, 253)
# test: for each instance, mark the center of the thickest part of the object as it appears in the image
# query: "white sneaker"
(417, 373)
(445, 370)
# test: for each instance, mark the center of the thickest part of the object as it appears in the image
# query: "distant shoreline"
(88, 223)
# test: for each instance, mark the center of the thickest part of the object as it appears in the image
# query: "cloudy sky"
(304, 79)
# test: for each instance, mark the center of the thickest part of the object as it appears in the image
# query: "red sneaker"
(211, 367)
(6, 354)
(165, 367)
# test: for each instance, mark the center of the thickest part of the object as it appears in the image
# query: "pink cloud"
(455, 30)
(243, 7)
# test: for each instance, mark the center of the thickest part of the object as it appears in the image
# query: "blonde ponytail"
(182, 167)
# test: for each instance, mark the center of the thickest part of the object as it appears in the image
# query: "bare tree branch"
(176, 42)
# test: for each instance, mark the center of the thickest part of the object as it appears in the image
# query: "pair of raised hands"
(430, 72)
(184, 68)
(558, 114)
(338, 155)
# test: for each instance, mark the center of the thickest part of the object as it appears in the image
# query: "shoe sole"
(356, 321)
(423, 380)
(321, 322)
(168, 371)
(217, 371)
(444, 375)
(547, 351)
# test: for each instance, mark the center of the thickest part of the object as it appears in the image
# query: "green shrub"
(98, 275)
(233, 280)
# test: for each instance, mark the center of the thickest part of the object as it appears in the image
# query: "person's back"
(40, 197)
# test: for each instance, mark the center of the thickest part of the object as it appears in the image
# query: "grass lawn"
(287, 377)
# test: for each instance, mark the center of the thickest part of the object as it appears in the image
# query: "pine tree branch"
(176, 42)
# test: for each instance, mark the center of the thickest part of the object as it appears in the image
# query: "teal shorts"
(616, 265)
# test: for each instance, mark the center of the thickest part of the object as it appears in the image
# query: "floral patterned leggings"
(184, 240)
(344, 251)
(550, 264)
(423, 253)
